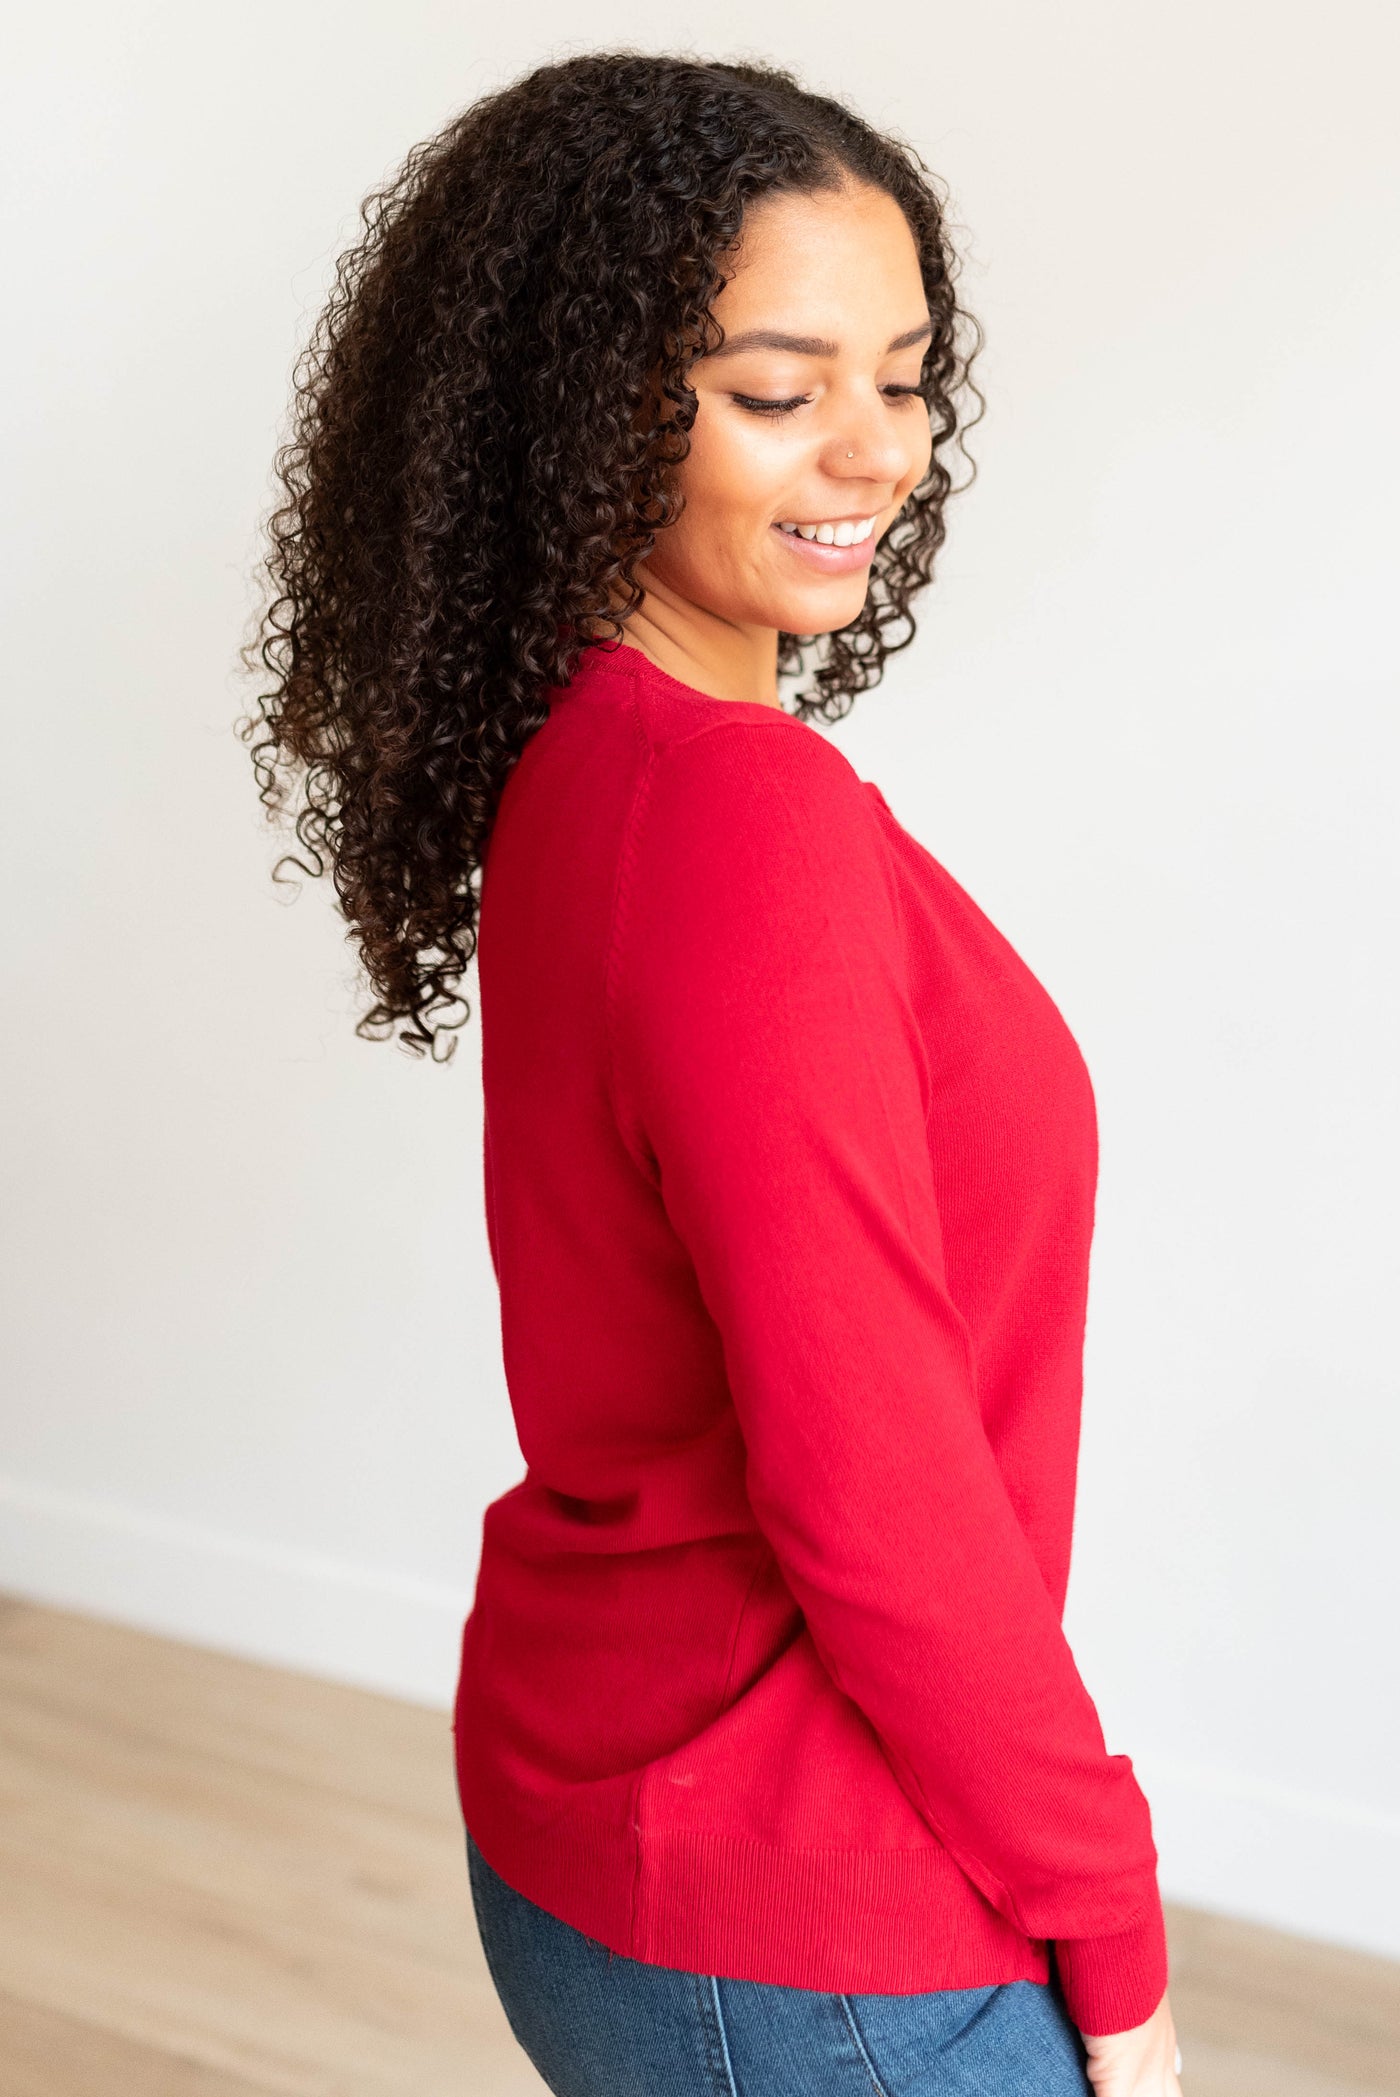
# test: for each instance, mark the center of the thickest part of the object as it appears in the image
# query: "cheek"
(733, 475)
(729, 487)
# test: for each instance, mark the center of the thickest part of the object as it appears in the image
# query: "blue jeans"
(597, 2024)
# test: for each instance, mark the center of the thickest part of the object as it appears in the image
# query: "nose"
(865, 445)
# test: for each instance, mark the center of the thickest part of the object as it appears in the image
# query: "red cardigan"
(790, 1170)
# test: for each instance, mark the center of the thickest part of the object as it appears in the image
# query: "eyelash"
(785, 407)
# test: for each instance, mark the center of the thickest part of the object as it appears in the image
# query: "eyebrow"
(807, 345)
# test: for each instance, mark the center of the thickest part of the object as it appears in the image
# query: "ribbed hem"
(880, 1921)
(1115, 1983)
(896, 1922)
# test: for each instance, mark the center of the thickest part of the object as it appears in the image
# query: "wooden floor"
(223, 1880)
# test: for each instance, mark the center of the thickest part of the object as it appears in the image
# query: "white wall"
(254, 1391)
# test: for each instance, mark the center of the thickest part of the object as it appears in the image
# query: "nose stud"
(850, 455)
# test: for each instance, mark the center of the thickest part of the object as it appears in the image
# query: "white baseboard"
(1232, 1844)
(290, 1608)
(1241, 1845)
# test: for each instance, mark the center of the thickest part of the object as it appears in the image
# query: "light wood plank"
(1232, 2071)
(45, 2053)
(1249, 1994)
(220, 1879)
(262, 1874)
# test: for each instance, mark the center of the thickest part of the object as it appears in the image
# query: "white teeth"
(844, 534)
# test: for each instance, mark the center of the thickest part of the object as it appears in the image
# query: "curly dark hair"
(485, 428)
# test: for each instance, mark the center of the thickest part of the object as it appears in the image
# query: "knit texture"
(790, 1166)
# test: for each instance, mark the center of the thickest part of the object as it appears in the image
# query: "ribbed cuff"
(1115, 1983)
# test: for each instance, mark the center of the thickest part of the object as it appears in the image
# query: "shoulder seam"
(783, 724)
(766, 719)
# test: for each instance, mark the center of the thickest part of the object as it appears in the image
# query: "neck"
(713, 655)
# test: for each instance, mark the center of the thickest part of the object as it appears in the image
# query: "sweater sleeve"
(769, 1075)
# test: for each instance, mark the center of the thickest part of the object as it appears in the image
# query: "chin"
(826, 612)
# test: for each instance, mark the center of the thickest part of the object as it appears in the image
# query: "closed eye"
(771, 407)
(755, 406)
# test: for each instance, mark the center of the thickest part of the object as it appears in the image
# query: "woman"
(777, 1770)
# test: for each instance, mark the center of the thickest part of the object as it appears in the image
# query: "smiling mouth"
(849, 531)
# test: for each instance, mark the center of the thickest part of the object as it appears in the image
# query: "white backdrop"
(253, 1382)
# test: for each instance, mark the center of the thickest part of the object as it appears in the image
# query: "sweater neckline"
(606, 663)
(605, 667)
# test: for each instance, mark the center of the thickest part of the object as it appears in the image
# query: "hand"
(1143, 2062)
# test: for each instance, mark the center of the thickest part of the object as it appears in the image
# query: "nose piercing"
(850, 455)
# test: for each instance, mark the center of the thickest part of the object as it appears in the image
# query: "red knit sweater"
(790, 1170)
